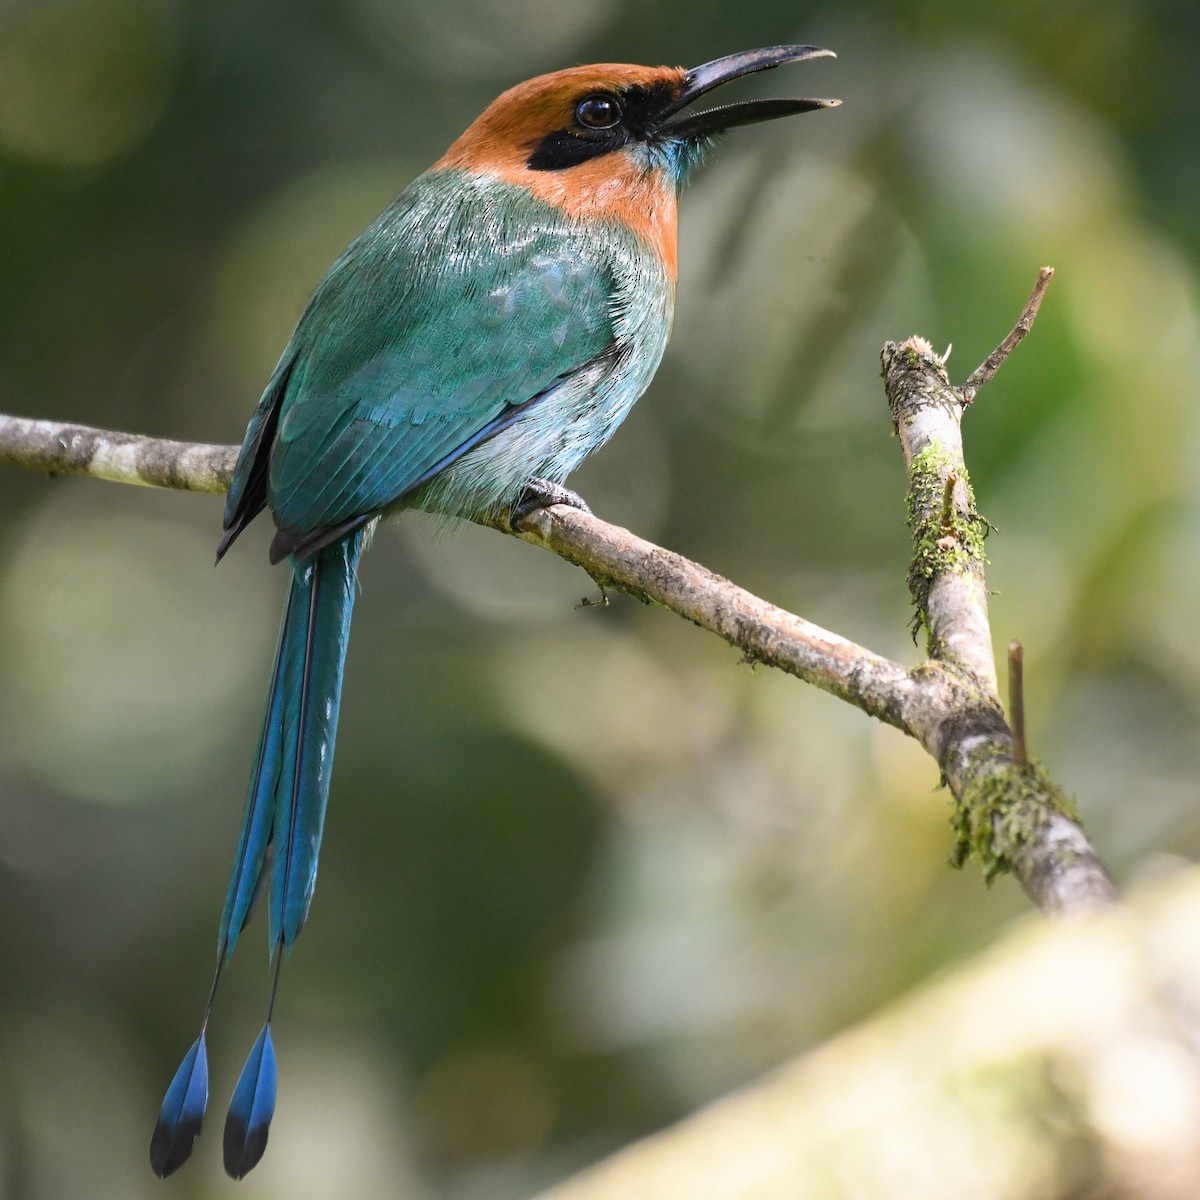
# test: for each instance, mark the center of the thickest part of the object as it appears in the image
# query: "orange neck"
(620, 186)
(612, 188)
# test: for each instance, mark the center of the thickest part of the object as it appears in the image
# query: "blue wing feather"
(247, 495)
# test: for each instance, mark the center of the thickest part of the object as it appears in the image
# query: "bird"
(487, 332)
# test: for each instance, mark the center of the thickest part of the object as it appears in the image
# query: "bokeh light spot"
(81, 82)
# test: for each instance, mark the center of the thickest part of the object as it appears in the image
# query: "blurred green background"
(583, 871)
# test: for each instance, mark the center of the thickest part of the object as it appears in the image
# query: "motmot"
(464, 354)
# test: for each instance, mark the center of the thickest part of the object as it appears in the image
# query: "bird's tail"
(285, 812)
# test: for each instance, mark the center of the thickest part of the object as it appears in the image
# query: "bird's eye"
(598, 112)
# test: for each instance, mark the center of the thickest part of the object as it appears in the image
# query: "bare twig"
(764, 633)
(995, 360)
(1016, 700)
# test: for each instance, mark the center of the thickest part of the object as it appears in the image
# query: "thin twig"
(1016, 336)
(947, 522)
(1016, 701)
(621, 561)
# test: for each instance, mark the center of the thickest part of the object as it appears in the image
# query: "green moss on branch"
(946, 540)
(1003, 810)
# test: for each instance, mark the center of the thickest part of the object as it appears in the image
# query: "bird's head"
(613, 114)
(616, 140)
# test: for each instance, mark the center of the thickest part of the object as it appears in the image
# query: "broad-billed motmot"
(464, 354)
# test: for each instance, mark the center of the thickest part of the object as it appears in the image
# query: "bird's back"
(472, 337)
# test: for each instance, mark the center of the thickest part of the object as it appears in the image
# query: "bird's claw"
(541, 493)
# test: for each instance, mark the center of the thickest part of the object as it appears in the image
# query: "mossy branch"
(1009, 816)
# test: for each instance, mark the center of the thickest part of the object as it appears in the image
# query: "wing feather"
(465, 300)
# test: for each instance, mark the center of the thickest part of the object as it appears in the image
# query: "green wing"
(464, 300)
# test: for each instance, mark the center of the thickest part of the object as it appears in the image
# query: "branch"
(1009, 815)
(999, 1078)
(60, 449)
(990, 365)
(619, 560)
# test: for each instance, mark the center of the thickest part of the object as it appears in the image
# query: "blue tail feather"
(281, 835)
(182, 1112)
(259, 814)
(251, 1109)
(323, 593)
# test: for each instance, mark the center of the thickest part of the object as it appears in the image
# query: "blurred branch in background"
(1025, 1084)
(1009, 816)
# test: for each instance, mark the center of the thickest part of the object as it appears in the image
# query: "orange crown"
(619, 186)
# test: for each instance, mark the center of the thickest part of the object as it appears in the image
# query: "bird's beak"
(701, 80)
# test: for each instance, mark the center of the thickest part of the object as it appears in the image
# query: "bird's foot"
(541, 493)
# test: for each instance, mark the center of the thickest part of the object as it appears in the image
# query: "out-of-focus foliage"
(583, 870)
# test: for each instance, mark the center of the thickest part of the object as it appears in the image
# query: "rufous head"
(612, 140)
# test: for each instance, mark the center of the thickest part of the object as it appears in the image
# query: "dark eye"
(598, 112)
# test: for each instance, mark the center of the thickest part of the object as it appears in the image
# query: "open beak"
(701, 80)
